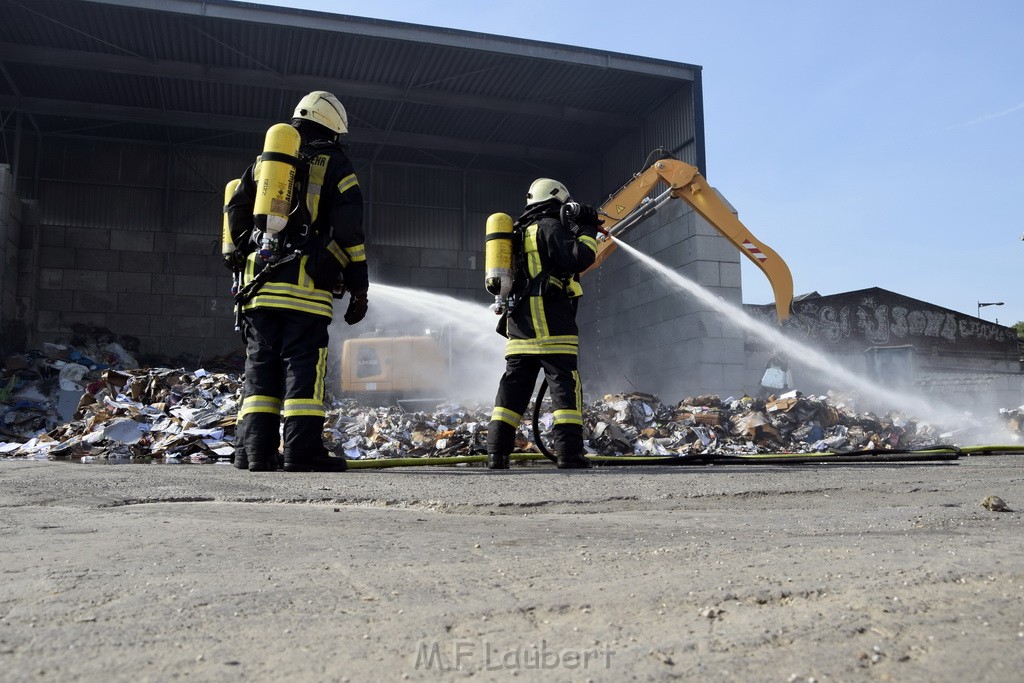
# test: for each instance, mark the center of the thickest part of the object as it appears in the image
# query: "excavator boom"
(632, 203)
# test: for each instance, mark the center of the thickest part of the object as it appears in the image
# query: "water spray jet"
(461, 331)
(796, 351)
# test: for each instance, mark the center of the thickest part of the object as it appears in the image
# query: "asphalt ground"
(744, 572)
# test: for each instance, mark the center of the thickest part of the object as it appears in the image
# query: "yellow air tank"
(227, 245)
(498, 255)
(275, 181)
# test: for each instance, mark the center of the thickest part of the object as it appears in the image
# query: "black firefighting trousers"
(285, 370)
(515, 390)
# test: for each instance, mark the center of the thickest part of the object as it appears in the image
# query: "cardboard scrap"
(130, 414)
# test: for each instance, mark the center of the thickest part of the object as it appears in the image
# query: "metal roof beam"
(394, 30)
(180, 119)
(71, 59)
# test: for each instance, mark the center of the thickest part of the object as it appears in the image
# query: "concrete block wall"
(172, 292)
(636, 332)
(10, 241)
(168, 290)
(17, 226)
(455, 273)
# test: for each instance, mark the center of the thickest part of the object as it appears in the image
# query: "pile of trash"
(96, 404)
(450, 429)
(41, 389)
(138, 415)
(640, 424)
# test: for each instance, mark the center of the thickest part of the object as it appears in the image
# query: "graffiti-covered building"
(900, 343)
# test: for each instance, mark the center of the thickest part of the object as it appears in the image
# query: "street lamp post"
(983, 304)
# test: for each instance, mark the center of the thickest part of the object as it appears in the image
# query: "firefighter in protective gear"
(285, 303)
(541, 324)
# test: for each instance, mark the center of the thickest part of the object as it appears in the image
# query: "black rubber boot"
(497, 461)
(314, 463)
(573, 462)
(268, 464)
(241, 461)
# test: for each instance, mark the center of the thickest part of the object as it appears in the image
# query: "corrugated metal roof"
(215, 72)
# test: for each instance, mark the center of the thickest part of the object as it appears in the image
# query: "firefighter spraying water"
(533, 266)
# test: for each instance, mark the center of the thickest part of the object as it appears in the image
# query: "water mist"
(801, 353)
(464, 331)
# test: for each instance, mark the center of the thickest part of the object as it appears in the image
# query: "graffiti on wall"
(835, 320)
(882, 323)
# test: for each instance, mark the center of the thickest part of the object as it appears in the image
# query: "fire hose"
(932, 455)
(929, 455)
(536, 422)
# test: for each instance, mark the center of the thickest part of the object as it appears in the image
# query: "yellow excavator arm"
(632, 204)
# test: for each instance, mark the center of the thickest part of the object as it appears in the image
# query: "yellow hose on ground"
(931, 455)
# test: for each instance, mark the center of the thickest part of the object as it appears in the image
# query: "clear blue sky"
(870, 143)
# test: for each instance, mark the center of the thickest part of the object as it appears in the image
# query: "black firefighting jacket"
(544, 319)
(332, 245)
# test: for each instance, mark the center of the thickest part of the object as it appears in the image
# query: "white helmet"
(323, 108)
(543, 189)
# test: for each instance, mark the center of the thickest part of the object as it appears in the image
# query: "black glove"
(235, 261)
(356, 307)
(588, 216)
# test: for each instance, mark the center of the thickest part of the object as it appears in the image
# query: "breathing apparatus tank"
(275, 182)
(227, 245)
(498, 258)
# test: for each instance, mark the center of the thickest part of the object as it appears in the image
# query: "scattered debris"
(95, 404)
(640, 424)
(995, 504)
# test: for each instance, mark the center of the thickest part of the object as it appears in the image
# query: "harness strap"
(246, 293)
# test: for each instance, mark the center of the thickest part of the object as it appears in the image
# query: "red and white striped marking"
(754, 251)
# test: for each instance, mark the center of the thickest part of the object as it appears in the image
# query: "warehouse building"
(123, 119)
